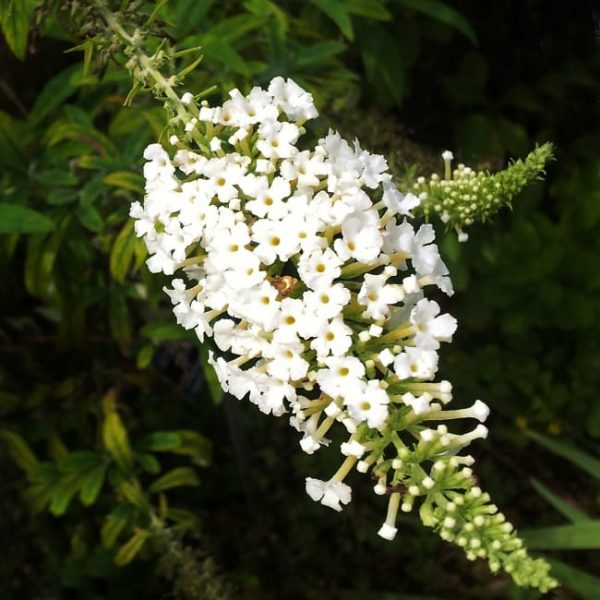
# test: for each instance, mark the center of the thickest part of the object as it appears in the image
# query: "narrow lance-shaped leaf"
(114, 434)
(131, 548)
(180, 476)
(579, 536)
(19, 219)
(580, 459)
(562, 506)
(19, 450)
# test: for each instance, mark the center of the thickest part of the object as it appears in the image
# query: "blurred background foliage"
(123, 472)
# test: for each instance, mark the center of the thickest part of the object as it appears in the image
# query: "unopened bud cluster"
(463, 196)
(305, 267)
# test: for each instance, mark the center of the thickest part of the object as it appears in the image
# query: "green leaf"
(144, 356)
(221, 51)
(160, 441)
(444, 13)
(584, 584)
(337, 11)
(61, 196)
(114, 524)
(18, 219)
(580, 459)
(89, 217)
(114, 435)
(126, 180)
(15, 19)
(165, 332)
(318, 53)
(91, 484)
(62, 494)
(77, 462)
(194, 444)
(130, 488)
(370, 9)
(118, 316)
(128, 551)
(180, 476)
(18, 449)
(54, 93)
(563, 507)
(122, 252)
(148, 462)
(579, 536)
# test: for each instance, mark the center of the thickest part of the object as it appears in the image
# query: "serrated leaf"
(91, 484)
(580, 459)
(444, 13)
(114, 524)
(579, 536)
(122, 252)
(128, 551)
(19, 450)
(18, 219)
(180, 476)
(337, 11)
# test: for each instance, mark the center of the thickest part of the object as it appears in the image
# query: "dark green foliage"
(104, 407)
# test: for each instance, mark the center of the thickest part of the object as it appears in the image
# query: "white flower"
(292, 99)
(377, 296)
(327, 303)
(335, 338)
(368, 402)
(416, 363)
(431, 329)
(319, 268)
(341, 374)
(277, 139)
(330, 493)
(361, 238)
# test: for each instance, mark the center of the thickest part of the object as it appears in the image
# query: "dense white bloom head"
(306, 268)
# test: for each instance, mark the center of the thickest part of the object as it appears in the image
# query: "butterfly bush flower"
(310, 273)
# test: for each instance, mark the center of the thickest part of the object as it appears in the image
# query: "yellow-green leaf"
(114, 524)
(126, 180)
(122, 252)
(114, 434)
(91, 484)
(19, 451)
(128, 551)
(177, 477)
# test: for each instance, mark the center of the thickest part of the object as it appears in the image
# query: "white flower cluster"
(305, 268)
